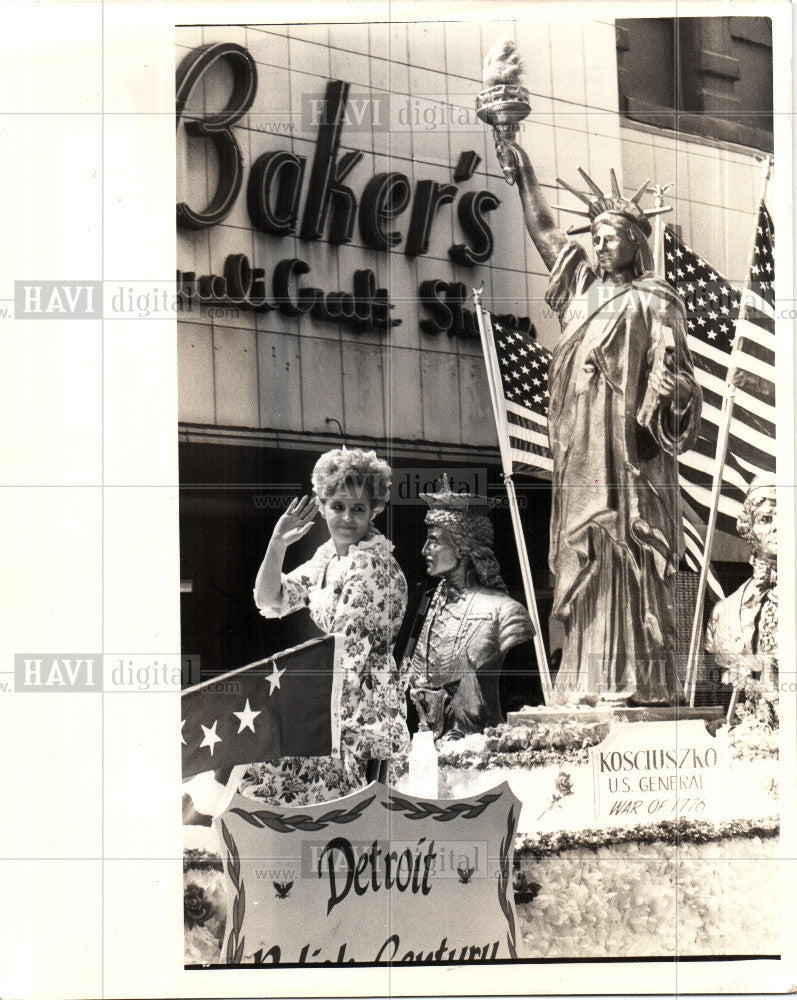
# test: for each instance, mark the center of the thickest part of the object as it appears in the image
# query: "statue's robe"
(616, 529)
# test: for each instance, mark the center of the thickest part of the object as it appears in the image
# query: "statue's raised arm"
(504, 103)
(548, 238)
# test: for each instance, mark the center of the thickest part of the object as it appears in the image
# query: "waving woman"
(353, 586)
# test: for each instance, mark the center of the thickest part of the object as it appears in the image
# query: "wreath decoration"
(300, 821)
(235, 942)
(503, 883)
(434, 810)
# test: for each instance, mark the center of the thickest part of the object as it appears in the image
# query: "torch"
(504, 103)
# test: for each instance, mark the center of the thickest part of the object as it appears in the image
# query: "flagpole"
(719, 463)
(493, 380)
(658, 191)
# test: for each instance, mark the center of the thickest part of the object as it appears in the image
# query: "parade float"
(639, 826)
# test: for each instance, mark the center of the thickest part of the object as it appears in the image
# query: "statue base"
(713, 715)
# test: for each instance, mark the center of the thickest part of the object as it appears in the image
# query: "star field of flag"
(762, 271)
(712, 303)
(523, 365)
(280, 707)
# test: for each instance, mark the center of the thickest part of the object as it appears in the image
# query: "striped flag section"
(731, 337)
(693, 548)
(287, 705)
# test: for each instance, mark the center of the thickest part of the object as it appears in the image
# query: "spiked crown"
(600, 204)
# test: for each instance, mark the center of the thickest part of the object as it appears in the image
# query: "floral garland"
(674, 903)
(676, 832)
(524, 759)
(752, 739)
(564, 742)
(204, 912)
(760, 702)
(567, 743)
(201, 860)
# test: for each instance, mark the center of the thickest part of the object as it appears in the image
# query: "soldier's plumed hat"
(464, 516)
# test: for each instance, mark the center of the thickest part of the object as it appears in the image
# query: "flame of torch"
(502, 64)
(504, 103)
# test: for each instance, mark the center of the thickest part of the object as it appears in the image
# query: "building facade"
(327, 274)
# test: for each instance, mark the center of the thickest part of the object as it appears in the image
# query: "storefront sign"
(375, 877)
(647, 771)
(331, 208)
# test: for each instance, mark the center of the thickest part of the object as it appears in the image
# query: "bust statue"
(469, 621)
(742, 633)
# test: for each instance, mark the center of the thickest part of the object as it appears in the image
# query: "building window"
(707, 76)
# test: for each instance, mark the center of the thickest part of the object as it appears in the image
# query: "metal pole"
(716, 484)
(690, 683)
(494, 380)
(528, 586)
(732, 706)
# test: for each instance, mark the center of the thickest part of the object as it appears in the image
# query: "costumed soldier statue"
(742, 632)
(463, 632)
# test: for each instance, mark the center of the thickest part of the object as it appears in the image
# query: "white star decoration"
(274, 677)
(247, 718)
(211, 737)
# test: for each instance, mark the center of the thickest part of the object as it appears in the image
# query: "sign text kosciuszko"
(658, 770)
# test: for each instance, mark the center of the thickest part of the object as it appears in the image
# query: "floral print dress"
(362, 596)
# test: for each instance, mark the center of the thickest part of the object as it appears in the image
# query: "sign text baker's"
(273, 196)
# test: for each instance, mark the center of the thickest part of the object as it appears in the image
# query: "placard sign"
(647, 771)
(374, 877)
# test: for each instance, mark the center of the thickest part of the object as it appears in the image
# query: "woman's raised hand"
(296, 521)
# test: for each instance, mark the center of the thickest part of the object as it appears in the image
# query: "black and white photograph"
(477, 362)
(404, 405)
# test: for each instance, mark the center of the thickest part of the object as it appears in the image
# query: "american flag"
(523, 366)
(731, 336)
(285, 706)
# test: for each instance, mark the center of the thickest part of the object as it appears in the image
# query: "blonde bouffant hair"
(355, 469)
